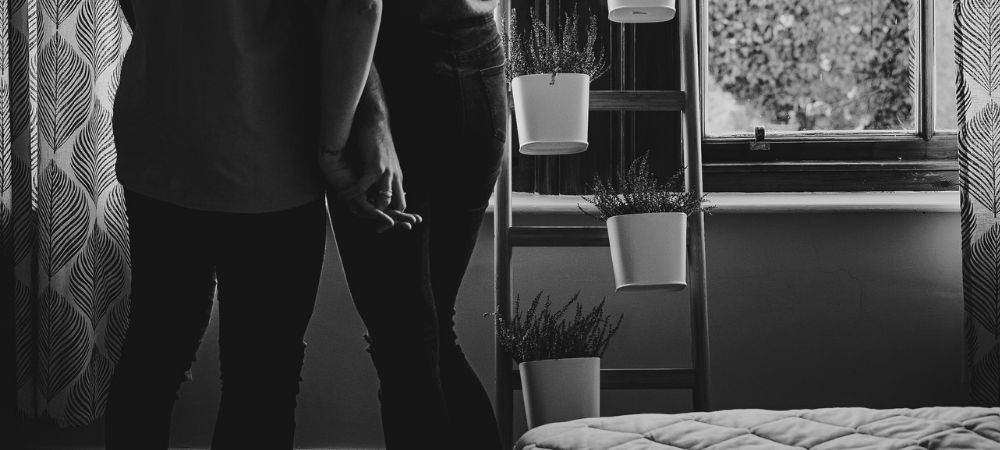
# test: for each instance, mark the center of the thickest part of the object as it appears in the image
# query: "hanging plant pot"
(552, 112)
(641, 11)
(557, 390)
(649, 251)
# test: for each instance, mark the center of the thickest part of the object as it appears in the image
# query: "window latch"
(759, 143)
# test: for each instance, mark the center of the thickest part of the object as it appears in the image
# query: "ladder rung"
(559, 237)
(636, 379)
(637, 100)
(633, 100)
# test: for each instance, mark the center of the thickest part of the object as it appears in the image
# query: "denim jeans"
(267, 267)
(447, 102)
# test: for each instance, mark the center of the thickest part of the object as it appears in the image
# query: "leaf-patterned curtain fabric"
(63, 229)
(977, 53)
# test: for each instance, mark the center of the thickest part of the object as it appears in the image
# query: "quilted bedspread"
(939, 428)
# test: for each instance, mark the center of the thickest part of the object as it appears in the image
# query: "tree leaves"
(816, 65)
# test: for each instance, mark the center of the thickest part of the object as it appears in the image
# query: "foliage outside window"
(814, 64)
(819, 65)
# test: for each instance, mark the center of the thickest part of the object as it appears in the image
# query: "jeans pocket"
(495, 87)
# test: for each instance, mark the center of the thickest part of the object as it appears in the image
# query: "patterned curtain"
(63, 229)
(977, 53)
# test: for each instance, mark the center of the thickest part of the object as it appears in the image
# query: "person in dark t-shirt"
(231, 122)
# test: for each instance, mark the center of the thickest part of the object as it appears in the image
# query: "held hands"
(366, 174)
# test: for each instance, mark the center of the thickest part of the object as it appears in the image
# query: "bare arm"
(348, 35)
(352, 103)
(376, 150)
(372, 111)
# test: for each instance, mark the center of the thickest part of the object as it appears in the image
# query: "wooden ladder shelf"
(507, 237)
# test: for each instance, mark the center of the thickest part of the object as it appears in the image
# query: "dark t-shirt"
(218, 107)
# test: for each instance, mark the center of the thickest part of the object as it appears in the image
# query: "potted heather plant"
(559, 357)
(641, 11)
(647, 227)
(550, 73)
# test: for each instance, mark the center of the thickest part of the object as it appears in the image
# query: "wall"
(806, 310)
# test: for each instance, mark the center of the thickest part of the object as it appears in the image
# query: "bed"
(937, 428)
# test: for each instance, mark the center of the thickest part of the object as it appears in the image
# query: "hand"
(366, 174)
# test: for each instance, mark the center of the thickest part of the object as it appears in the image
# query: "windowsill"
(756, 203)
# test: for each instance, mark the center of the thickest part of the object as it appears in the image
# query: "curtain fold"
(63, 227)
(977, 54)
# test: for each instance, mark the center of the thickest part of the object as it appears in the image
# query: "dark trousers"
(268, 267)
(447, 109)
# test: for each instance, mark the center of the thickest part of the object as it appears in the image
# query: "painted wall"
(806, 310)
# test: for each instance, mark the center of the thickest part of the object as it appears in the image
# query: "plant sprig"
(538, 50)
(639, 192)
(549, 335)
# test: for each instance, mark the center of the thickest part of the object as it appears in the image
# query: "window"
(849, 93)
(845, 90)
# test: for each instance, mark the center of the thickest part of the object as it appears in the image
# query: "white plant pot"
(641, 11)
(557, 390)
(649, 251)
(552, 113)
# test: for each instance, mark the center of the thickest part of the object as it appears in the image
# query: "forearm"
(350, 28)
(372, 113)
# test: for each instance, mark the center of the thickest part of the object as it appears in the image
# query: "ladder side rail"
(503, 285)
(691, 14)
(502, 269)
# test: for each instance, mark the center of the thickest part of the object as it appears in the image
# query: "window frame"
(839, 161)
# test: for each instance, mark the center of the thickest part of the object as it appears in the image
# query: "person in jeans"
(441, 65)
(231, 121)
